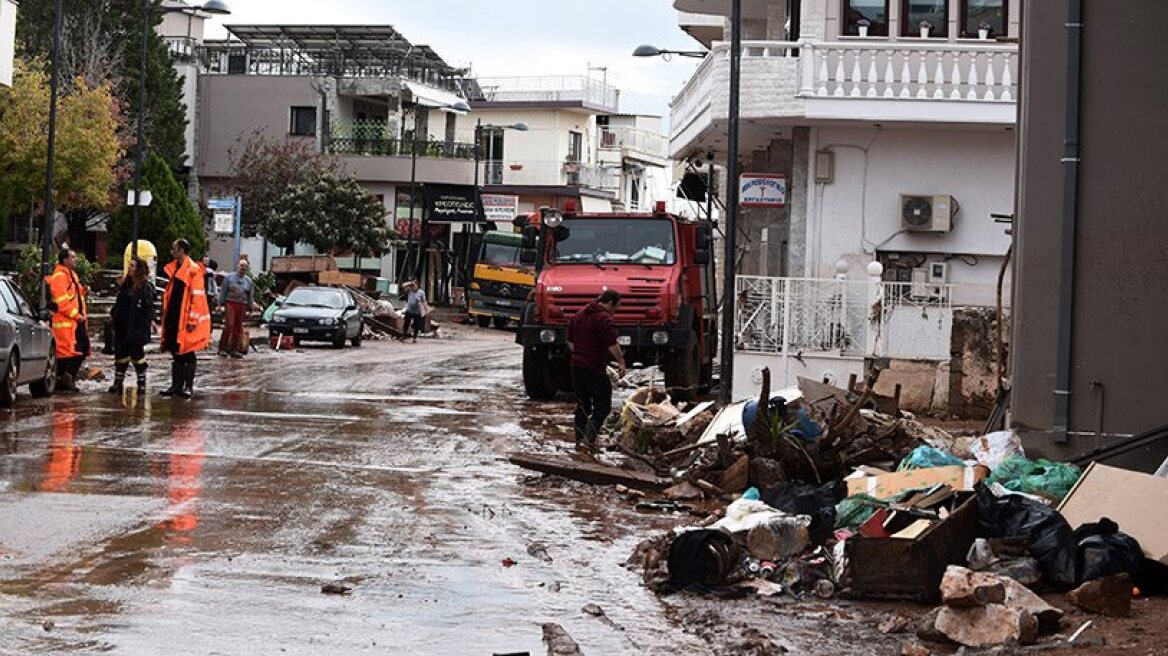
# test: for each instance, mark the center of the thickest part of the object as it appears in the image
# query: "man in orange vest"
(186, 318)
(70, 329)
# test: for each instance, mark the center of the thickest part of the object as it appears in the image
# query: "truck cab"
(501, 284)
(662, 266)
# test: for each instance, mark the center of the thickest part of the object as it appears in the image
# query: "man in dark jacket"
(592, 339)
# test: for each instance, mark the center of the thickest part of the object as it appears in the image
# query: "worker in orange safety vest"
(186, 318)
(70, 320)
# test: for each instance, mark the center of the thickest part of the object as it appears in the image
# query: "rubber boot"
(66, 383)
(176, 379)
(140, 370)
(119, 379)
(188, 380)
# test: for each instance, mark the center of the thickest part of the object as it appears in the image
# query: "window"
(917, 15)
(615, 241)
(8, 298)
(236, 64)
(873, 11)
(303, 122)
(976, 13)
(22, 303)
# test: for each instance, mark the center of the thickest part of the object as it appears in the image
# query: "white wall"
(859, 210)
(7, 40)
(546, 139)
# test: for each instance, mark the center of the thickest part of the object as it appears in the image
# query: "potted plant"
(862, 26)
(983, 30)
(926, 27)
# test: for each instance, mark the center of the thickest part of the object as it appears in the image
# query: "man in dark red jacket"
(592, 339)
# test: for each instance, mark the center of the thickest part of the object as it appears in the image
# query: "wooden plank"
(588, 472)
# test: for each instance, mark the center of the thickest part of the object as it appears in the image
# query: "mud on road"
(210, 526)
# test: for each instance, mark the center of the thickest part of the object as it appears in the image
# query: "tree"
(87, 145)
(263, 170)
(334, 214)
(100, 41)
(170, 216)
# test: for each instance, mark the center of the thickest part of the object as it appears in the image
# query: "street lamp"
(215, 7)
(731, 227)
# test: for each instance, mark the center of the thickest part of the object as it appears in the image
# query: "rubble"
(984, 626)
(1110, 595)
(963, 587)
(558, 642)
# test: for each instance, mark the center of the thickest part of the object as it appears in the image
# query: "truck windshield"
(500, 255)
(616, 241)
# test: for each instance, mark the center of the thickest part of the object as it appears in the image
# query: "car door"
(42, 333)
(22, 333)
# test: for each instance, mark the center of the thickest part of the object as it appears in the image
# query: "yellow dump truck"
(500, 285)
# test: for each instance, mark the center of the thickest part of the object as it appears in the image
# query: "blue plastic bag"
(925, 457)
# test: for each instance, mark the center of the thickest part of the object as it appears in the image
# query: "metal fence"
(848, 318)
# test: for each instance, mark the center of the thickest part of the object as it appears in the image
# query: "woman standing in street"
(416, 310)
(132, 317)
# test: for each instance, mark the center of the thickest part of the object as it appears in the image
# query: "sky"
(515, 37)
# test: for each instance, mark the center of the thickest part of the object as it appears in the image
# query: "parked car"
(27, 350)
(323, 314)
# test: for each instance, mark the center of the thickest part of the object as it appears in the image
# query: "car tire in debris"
(48, 384)
(537, 376)
(683, 370)
(360, 333)
(9, 381)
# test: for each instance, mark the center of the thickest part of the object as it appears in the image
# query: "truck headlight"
(660, 337)
(475, 286)
(547, 336)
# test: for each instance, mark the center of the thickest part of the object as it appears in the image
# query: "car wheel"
(47, 385)
(360, 332)
(9, 383)
(339, 342)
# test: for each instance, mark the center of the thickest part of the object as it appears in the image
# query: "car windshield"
(616, 241)
(318, 298)
(501, 255)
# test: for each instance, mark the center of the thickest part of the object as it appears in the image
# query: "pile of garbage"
(834, 492)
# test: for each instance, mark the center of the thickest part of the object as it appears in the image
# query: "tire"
(339, 342)
(47, 385)
(683, 370)
(360, 331)
(483, 321)
(9, 380)
(537, 375)
(499, 322)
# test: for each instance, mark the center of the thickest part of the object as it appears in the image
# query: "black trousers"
(593, 402)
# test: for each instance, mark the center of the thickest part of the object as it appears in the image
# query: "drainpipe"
(1070, 162)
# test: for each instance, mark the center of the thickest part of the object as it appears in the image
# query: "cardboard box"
(884, 486)
(1133, 500)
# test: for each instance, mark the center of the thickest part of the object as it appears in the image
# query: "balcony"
(550, 174)
(633, 142)
(557, 90)
(923, 82)
(370, 138)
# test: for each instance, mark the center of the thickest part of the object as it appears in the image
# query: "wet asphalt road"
(209, 526)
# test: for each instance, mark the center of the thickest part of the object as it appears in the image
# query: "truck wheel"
(499, 322)
(537, 375)
(483, 321)
(682, 371)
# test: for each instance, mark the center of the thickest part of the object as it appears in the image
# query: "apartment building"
(7, 40)
(890, 123)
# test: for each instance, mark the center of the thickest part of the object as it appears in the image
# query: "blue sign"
(221, 203)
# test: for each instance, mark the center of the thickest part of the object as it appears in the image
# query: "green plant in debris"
(264, 282)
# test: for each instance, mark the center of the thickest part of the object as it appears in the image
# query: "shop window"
(870, 14)
(925, 17)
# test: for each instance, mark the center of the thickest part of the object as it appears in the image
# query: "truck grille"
(631, 311)
(505, 289)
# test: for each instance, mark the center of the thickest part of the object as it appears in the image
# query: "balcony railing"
(372, 138)
(182, 49)
(632, 139)
(550, 174)
(549, 89)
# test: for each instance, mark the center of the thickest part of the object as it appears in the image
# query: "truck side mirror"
(527, 256)
(702, 256)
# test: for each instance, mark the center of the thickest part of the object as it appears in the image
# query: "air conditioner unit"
(927, 213)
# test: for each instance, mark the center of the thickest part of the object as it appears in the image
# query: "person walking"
(210, 272)
(132, 317)
(186, 318)
(70, 319)
(237, 296)
(592, 340)
(416, 310)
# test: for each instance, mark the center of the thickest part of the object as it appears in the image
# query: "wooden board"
(340, 278)
(303, 263)
(1132, 499)
(589, 472)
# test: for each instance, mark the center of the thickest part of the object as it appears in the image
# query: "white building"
(877, 112)
(7, 40)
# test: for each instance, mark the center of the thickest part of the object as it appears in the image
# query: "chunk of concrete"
(1019, 596)
(965, 588)
(1110, 595)
(985, 626)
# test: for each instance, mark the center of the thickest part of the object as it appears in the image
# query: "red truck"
(663, 267)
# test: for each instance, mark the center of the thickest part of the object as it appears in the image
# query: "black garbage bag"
(1104, 550)
(702, 557)
(815, 501)
(1048, 536)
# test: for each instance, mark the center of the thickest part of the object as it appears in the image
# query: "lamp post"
(47, 226)
(215, 7)
(731, 227)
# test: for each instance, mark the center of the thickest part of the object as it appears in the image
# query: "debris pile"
(817, 491)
